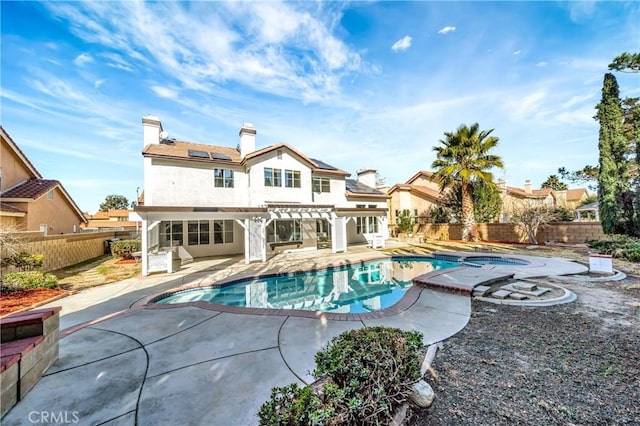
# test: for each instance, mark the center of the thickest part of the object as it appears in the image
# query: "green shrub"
(366, 375)
(27, 280)
(24, 261)
(125, 248)
(618, 246)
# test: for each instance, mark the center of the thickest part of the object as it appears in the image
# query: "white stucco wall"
(189, 183)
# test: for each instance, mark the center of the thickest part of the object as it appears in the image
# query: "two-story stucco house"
(211, 200)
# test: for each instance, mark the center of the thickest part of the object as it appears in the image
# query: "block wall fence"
(68, 249)
(63, 250)
(565, 232)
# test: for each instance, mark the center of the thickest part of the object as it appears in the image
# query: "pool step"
(460, 280)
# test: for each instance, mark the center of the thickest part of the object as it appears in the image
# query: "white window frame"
(226, 180)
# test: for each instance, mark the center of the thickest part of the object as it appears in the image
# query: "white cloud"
(285, 49)
(401, 45)
(541, 64)
(165, 92)
(446, 30)
(517, 52)
(82, 59)
(98, 83)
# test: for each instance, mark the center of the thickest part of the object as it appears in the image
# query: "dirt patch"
(570, 364)
(20, 300)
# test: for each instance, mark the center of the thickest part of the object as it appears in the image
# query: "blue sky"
(356, 84)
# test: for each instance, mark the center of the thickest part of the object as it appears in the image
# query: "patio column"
(245, 226)
(145, 248)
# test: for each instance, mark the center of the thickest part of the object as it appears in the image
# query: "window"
(284, 230)
(198, 232)
(321, 184)
(223, 178)
(170, 233)
(292, 178)
(366, 225)
(272, 177)
(222, 231)
(50, 195)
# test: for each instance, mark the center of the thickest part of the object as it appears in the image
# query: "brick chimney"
(367, 177)
(247, 139)
(151, 128)
(527, 187)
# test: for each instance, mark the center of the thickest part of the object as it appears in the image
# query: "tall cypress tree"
(613, 179)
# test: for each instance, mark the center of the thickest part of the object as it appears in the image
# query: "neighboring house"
(514, 199)
(571, 198)
(112, 220)
(213, 200)
(27, 201)
(417, 195)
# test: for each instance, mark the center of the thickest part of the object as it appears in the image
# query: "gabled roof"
(180, 150)
(355, 188)
(18, 152)
(422, 173)
(33, 189)
(576, 194)
(419, 190)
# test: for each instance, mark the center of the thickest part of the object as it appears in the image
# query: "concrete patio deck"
(124, 365)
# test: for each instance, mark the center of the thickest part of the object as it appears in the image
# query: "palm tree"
(464, 157)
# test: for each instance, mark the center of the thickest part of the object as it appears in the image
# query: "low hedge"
(365, 375)
(618, 246)
(17, 281)
(125, 248)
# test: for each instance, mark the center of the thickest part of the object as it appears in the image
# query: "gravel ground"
(573, 364)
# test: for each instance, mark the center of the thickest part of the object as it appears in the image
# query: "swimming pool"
(365, 287)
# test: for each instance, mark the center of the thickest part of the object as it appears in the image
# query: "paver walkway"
(193, 366)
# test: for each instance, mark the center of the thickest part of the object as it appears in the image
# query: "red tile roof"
(576, 194)
(31, 189)
(536, 193)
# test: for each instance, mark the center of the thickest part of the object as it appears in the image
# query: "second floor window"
(321, 184)
(223, 178)
(292, 178)
(272, 177)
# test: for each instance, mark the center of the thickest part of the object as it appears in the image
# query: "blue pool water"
(364, 287)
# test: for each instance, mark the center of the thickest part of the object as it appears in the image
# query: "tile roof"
(31, 189)
(536, 193)
(425, 190)
(180, 149)
(9, 208)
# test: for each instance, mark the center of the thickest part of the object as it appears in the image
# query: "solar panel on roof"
(198, 154)
(218, 156)
(323, 165)
(358, 187)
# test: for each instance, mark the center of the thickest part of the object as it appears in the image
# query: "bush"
(27, 280)
(125, 248)
(618, 246)
(366, 375)
(24, 261)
